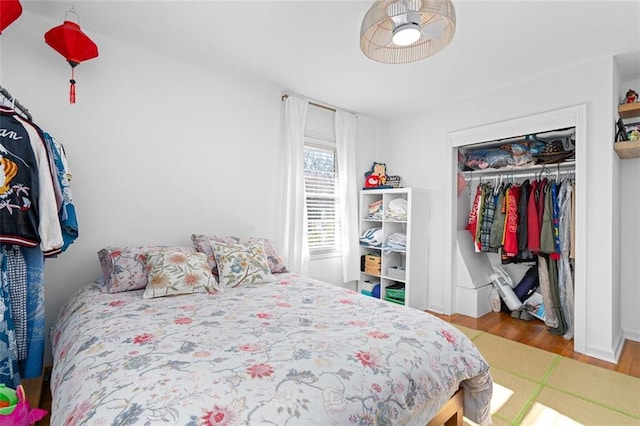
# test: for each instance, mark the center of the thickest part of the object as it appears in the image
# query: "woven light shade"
(430, 25)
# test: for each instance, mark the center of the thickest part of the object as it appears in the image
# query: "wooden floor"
(534, 333)
(39, 394)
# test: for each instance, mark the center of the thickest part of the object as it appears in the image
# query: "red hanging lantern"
(10, 10)
(69, 40)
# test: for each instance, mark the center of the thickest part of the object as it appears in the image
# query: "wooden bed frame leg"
(451, 413)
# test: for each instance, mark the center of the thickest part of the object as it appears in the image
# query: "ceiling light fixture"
(406, 34)
(404, 31)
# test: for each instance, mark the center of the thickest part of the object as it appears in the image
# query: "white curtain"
(346, 148)
(295, 244)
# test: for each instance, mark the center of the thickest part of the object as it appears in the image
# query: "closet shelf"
(628, 149)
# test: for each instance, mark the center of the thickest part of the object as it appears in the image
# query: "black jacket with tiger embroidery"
(28, 210)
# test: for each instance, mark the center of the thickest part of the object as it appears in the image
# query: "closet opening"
(514, 252)
(515, 222)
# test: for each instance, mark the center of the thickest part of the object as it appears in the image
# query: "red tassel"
(72, 89)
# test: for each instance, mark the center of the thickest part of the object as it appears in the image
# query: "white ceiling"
(312, 48)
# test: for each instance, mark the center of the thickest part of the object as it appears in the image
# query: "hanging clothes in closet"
(37, 220)
(531, 221)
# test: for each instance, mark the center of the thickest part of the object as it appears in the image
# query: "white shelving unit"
(414, 258)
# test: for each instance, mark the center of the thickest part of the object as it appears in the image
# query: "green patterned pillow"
(174, 272)
(241, 264)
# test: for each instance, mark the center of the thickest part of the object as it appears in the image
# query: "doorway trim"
(575, 116)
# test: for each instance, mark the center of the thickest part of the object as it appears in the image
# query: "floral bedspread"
(294, 352)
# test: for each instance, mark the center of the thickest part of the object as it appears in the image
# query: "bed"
(296, 351)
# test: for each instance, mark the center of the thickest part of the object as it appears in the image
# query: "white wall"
(419, 150)
(630, 235)
(159, 149)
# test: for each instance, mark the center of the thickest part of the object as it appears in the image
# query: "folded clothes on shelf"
(372, 237)
(375, 210)
(397, 209)
(395, 242)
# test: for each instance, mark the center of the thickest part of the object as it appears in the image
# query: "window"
(320, 181)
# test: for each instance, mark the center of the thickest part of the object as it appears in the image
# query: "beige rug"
(536, 387)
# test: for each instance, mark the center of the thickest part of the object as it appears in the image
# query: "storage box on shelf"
(395, 293)
(370, 288)
(396, 273)
(369, 285)
(393, 229)
(372, 264)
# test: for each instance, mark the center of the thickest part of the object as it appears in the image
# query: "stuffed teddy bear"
(631, 96)
(377, 176)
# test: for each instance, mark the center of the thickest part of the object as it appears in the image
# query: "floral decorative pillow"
(203, 244)
(173, 272)
(123, 268)
(241, 264)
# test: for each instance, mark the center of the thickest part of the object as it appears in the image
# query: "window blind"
(323, 222)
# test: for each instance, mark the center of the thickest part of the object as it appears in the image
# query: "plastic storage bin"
(396, 301)
(396, 291)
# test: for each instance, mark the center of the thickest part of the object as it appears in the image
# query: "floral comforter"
(294, 352)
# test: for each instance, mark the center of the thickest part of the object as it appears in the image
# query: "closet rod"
(15, 104)
(543, 172)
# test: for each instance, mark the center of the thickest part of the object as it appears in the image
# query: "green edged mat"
(536, 387)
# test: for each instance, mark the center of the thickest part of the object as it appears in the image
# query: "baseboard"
(618, 345)
(632, 335)
(609, 355)
(435, 308)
